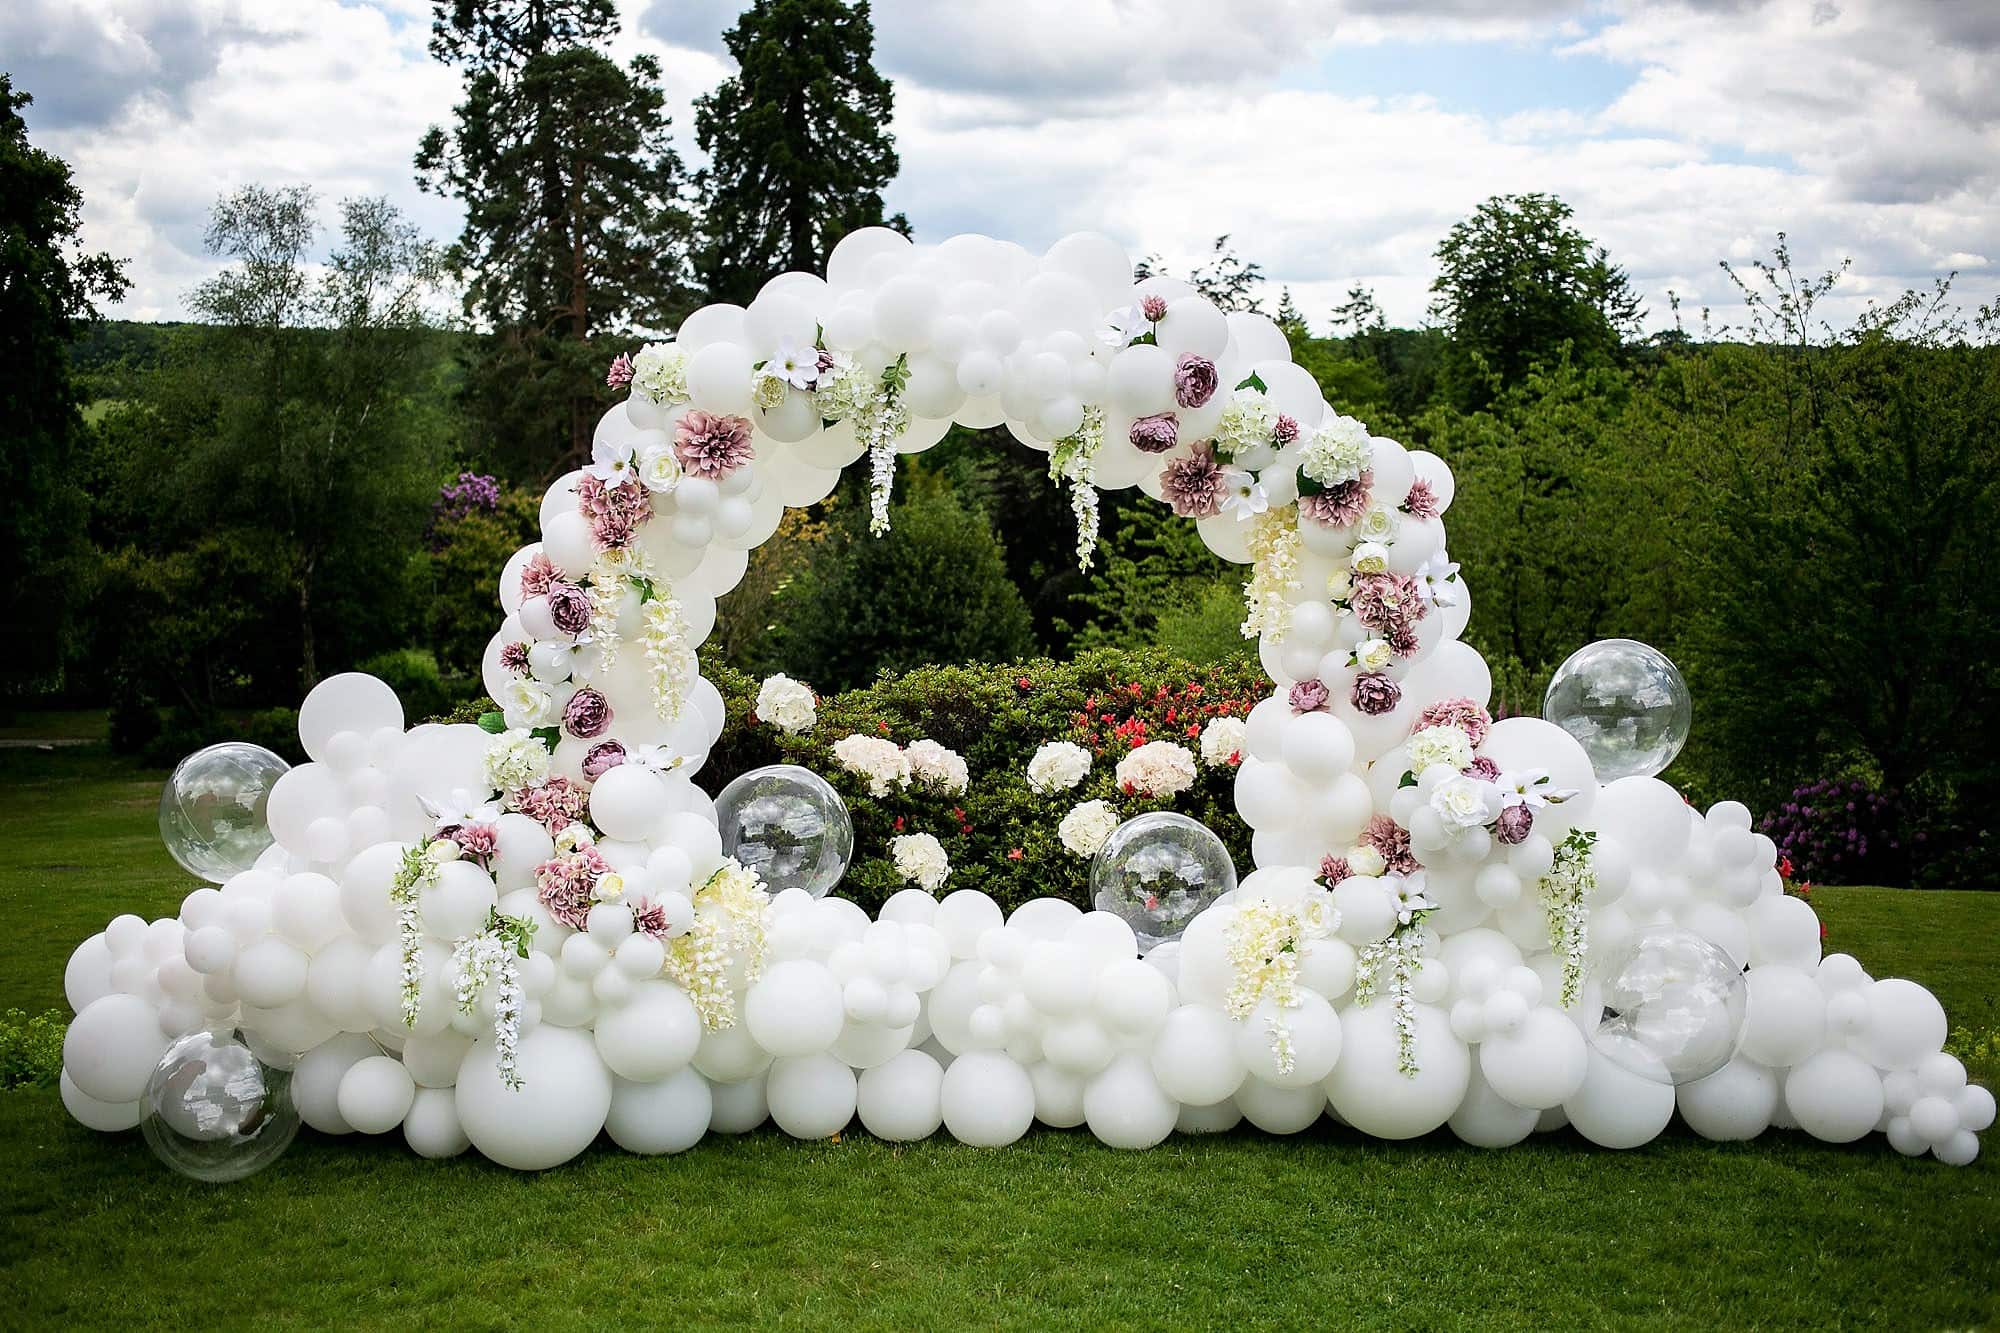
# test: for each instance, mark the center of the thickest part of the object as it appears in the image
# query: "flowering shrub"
(1838, 832)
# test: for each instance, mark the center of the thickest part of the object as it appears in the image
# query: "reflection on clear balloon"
(1673, 1006)
(1157, 872)
(215, 1112)
(1625, 703)
(212, 813)
(789, 825)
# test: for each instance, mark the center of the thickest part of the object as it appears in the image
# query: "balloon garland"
(515, 935)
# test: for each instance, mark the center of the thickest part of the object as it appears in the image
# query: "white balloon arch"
(1452, 921)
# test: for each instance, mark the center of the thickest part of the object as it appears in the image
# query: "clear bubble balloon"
(213, 1111)
(789, 825)
(1158, 872)
(1625, 703)
(212, 811)
(1673, 1006)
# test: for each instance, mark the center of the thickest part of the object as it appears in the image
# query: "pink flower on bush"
(1155, 434)
(710, 445)
(587, 714)
(1194, 380)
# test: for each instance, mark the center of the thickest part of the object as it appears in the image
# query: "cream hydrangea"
(880, 762)
(516, 759)
(1157, 768)
(1084, 829)
(1223, 740)
(1246, 424)
(786, 705)
(936, 765)
(659, 370)
(1445, 745)
(1337, 452)
(1058, 766)
(920, 859)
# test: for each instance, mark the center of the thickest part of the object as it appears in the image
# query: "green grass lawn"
(1323, 1229)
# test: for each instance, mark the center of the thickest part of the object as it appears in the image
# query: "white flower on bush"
(935, 765)
(1223, 740)
(786, 705)
(1157, 768)
(515, 759)
(881, 762)
(1463, 802)
(1058, 766)
(1086, 826)
(921, 860)
(1445, 745)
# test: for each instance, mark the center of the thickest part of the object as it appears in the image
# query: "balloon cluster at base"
(517, 935)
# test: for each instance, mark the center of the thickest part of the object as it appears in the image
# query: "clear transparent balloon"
(1625, 703)
(212, 810)
(1673, 1006)
(1158, 872)
(215, 1112)
(789, 825)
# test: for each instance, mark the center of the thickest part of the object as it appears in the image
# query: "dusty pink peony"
(587, 714)
(710, 445)
(1375, 694)
(1194, 380)
(1514, 824)
(602, 758)
(569, 607)
(1155, 434)
(1482, 767)
(1193, 485)
(1309, 696)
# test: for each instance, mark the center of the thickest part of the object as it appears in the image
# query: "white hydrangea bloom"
(920, 858)
(935, 765)
(1223, 738)
(1058, 766)
(786, 705)
(1157, 768)
(1084, 829)
(881, 762)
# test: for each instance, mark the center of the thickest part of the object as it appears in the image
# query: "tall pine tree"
(574, 225)
(798, 143)
(46, 293)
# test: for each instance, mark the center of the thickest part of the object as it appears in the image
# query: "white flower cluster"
(527, 702)
(1086, 827)
(1337, 453)
(1564, 893)
(1224, 740)
(1075, 460)
(920, 858)
(1446, 745)
(416, 873)
(1401, 954)
(880, 762)
(1246, 424)
(934, 765)
(516, 759)
(786, 705)
(1057, 766)
(670, 660)
(1274, 574)
(732, 920)
(484, 960)
(659, 371)
(1263, 956)
(1157, 768)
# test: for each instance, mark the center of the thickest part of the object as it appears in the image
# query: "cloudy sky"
(1336, 140)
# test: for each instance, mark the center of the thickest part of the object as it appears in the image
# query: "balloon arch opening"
(516, 935)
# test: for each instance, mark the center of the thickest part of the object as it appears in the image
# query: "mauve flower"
(1482, 767)
(1339, 506)
(711, 446)
(1154, 308)
(1194, 380)
(478, 841)
(614, 512)
(586, 714)
(555, 804)
(1333, 869)
(537, 575)
(1459, 712)
(1285, 431)
(1422, 501)
(1155, 434)
(1375, 694)
(564, 884)
(1309, 696)
(649, 918)
(620, 373)
(1193, 485)
(1514, 824)
(1391, 842)
(603, 757)
(514, 658)
(569, 607)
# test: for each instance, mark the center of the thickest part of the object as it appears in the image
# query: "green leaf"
(1407, 780)
(495, 723)
(644, 587)
(548, 736)
(1254, 381)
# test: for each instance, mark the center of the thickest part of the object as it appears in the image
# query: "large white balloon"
(559, 1107)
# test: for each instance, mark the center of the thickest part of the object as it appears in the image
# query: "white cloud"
(1864, 127)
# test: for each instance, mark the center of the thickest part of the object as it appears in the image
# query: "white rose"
(610, 887)
(574, 837)
(1373, 654)
(1058, 766)
(527, 702)
(1376, 525)
(659, 469)
(1365, 861)
(1084, 829)
(441, 851)
(1318, 917)
(1340, 585)
(1369, 558)
(1463, 802)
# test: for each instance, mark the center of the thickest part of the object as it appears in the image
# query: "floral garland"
(1571, 880)
(610, 575)
(1400, 953)
(879, 418)
(1263, 954)
(417, 872)
(670, 662)
(732, 918)
(1075, 459)
(493, 958)
(1274, 551)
